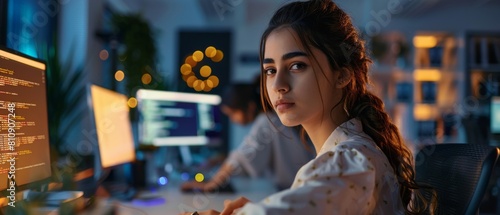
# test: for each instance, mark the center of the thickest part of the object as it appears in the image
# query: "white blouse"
(350, 175)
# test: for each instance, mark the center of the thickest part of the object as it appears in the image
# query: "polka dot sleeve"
(336, 182)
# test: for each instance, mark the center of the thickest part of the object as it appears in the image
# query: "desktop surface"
(170, 200)
(177, 201)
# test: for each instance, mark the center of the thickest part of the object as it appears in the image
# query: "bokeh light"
(218, 56)
(199, 177)
(205, 71)
(198, 56)
(210, 51)
(197, 85)
(119, 75)
(132, 102)
(185, 77)
(186, 69)
(190, 81)
(215, 81)
(207, 88)
(162, 180)
(146, 78)
(206, 81)
(184, 176)
(103, 54)
(189, 60)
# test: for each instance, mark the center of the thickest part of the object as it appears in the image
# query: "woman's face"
(302, 90)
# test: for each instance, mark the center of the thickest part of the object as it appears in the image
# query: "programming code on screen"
(23, 120)
(172, 118)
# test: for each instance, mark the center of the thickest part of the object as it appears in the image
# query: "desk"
(177, 202)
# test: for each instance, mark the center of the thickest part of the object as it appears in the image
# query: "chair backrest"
(459, 174)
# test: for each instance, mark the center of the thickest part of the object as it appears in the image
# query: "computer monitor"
(169, 118)
(24, 130)
(111, 119)
(495, 115)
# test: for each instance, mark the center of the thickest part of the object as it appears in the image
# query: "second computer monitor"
(113, 127)
(178, 119)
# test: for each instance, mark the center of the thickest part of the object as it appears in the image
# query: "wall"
(78, 21)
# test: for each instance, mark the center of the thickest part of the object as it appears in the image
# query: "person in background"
(269, 147)
(314, 74)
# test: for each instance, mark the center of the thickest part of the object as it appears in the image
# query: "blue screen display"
(31, 26)
(495, 115)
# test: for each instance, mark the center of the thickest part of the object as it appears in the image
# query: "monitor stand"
(185, 154)
(116, 186)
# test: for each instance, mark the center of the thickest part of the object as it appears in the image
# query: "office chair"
(459, 173)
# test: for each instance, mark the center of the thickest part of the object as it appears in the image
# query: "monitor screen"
(24, 132)
(113, 126)
(178, 119)
(495, 115)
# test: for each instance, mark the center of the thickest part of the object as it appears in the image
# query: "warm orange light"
(190, 81)
(210, 51)
(189, 60)
(215, 81)
(207, 87)
(197, 85)
(185, 69)
(132, 102)
(199, 177)
(424, 41)
(185, 77)
(111, 116)
(208, 80)
(424, 112)
(210, 83)
(426, 75)
(218, 56)
(146, 78)
(103, 54)
(198, 56)
(119, 75)
(202, 85)
(205, 71)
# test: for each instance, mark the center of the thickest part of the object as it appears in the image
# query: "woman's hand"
(231, 206)
(209, 212)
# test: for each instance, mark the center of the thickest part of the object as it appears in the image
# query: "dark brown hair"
(323, 25)
(238, 96)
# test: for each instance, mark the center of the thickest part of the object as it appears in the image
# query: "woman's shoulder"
(358, 146)
(347, 136)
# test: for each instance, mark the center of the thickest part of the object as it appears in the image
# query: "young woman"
(315, 75)
(269, 147)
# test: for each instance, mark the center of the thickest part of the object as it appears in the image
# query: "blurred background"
(436, 62)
